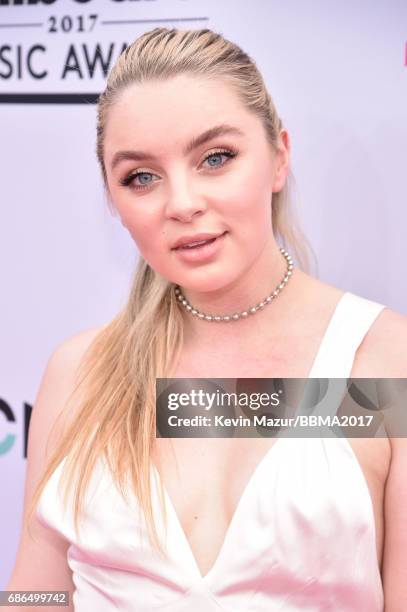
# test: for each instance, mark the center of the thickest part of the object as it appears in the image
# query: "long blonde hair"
(115, 395)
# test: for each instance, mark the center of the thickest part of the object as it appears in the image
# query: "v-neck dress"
(302, 536)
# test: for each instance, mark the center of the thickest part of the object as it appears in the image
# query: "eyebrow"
(197, 141)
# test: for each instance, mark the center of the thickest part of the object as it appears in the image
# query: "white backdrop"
(338, 75)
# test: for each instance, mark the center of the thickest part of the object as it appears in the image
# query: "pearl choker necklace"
(245, 313)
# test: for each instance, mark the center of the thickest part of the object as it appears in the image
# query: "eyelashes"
(129, 180)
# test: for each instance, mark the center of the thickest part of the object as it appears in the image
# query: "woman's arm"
(394, 571)
(394, 567)
(41, 562)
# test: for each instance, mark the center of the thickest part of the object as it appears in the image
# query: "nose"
(183, 203)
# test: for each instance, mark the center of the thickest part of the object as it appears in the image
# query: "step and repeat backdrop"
(338, 75)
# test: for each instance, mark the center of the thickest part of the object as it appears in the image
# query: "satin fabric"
(302, 536)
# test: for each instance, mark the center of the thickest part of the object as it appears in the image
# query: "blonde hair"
(115, 417)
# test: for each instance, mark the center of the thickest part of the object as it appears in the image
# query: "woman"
(192, 150)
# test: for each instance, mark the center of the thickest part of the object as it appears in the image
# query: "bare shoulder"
(383, 352)
(74, 347)
(60, 375)
(59, 379)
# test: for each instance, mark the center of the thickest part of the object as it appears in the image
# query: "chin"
(207, 281)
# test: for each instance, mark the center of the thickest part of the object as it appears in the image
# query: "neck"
(251, 288)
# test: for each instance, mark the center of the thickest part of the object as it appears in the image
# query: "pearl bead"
(245, 313)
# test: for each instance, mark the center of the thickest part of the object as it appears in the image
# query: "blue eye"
(228, 154)
(129, 180)
(142, 175)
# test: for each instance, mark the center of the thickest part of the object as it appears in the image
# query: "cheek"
(144, 238)
(251, 217)
(251, 196)
(142, 227)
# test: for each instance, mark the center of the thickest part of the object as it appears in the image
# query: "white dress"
(302, 536)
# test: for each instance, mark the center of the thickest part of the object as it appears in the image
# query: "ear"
(282, 161)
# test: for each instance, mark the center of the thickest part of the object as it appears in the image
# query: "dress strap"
(348, 326)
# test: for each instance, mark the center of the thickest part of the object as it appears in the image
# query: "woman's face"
(167, 180)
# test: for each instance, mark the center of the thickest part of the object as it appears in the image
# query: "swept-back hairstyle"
(114, 415)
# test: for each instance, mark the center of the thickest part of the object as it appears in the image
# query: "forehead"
(171, 111)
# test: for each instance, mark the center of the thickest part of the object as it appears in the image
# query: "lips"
(204, 253)
(194, 241)
(194, 245)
